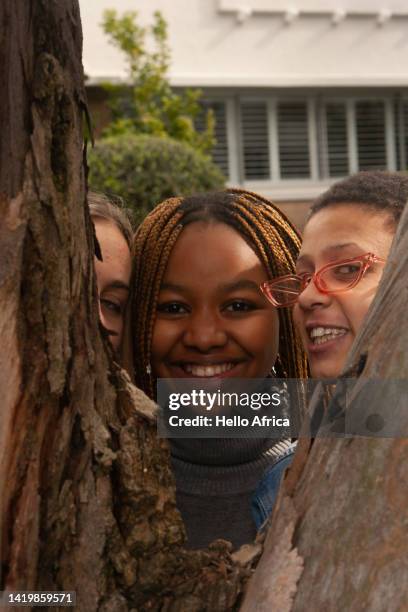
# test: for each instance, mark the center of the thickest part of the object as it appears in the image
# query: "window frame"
(317, 134)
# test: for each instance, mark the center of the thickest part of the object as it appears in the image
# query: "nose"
(206, 331)
(103, 319)
(311, 297)
(101, 315)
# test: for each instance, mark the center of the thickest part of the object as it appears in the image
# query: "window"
(277, 138)
(401, 133)
(294, 157)
(255, 140)
(371, 149)
(220, 150)
(337, 164)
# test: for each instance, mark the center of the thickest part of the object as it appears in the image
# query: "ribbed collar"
(223, 466)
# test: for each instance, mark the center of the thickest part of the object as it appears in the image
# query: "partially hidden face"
(113, 276)
(328, 324)
(212, 320)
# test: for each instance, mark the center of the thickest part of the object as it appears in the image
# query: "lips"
(320, 338)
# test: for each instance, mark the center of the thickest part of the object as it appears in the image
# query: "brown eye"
(240, 306)
(172, 308)
(346, 271)
(113, 307)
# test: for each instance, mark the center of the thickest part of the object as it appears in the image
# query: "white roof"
(265, 43)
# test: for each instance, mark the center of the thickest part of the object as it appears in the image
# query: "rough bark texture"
(87, 495)
(345, 500)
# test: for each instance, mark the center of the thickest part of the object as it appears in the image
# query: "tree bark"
(87, 494)
(338, 538)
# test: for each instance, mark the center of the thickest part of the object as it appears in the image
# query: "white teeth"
(208, 370)
(323, 339)
(320, 335)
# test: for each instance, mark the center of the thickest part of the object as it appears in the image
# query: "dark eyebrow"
(331, 250)
(171, 287)
(117, 285)
(240, 284)
(233, 286)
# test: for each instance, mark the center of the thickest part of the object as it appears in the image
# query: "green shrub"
(145, 170)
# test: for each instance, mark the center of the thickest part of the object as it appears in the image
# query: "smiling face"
(328, 324)
(112, 275)
(212, 320)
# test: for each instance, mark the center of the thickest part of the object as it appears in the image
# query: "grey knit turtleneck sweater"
(215, 480)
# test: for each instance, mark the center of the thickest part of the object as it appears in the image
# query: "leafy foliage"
(145, 170)
(148, 105)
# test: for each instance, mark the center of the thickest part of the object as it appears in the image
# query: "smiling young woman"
(356, 217)
(345, 246)
(212, 319)
(197, 312)
(329, 322)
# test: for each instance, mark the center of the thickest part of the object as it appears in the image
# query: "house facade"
(304, 92)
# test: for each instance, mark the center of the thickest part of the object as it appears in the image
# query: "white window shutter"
(371, 141)
(294, 153)
(255, 141)
(219, 153)
(336, 137)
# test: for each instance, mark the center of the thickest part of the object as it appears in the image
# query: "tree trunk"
(87, 494)
(338, 538)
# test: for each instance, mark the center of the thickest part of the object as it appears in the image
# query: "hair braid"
(154, 241)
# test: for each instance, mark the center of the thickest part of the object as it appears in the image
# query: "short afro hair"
(385, 192)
